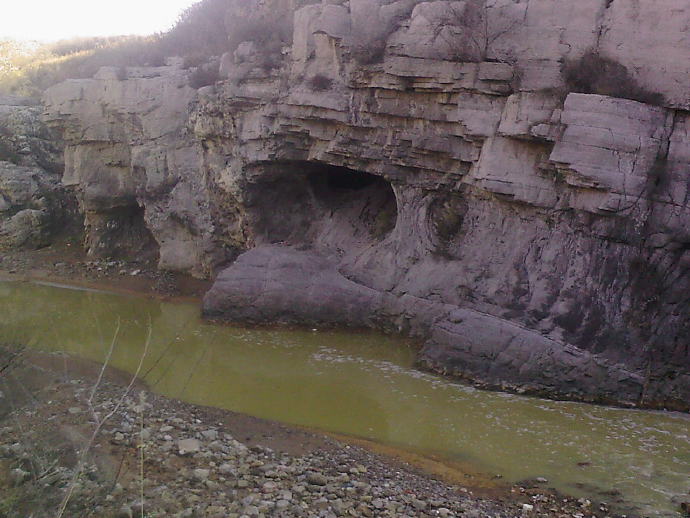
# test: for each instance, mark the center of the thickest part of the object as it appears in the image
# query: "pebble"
(220, 477)
(419, 504)
(210, 435)
(226, 469)
(269, 487)
(200, 474)
(187, 446)
(316, 479)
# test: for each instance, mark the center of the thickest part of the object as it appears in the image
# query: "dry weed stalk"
(101, 421)
(141, 407)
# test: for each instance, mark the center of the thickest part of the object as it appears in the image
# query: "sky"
(50, 20)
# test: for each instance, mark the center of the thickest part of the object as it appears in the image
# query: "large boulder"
(281, 284)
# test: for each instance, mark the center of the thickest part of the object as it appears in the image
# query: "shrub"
(319, 83)
(199, 29)
(447, 216)
(77, 45)
(204, 76)
(371, 52)
(194, 60)
(8, 154)
(269, 32)
(371, 41)
(596, 74)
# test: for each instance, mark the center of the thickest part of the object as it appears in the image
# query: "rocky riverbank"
(186, 461)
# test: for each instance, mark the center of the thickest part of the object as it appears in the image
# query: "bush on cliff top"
(200, 29)
(597, 74)
(40, 74)
(205, 75)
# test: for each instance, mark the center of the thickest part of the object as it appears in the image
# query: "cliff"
(506, 180)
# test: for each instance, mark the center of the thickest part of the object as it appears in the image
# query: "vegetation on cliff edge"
(28, 68)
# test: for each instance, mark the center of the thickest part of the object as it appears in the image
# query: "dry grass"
(28, 69)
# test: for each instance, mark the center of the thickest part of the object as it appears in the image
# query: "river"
(365, 385)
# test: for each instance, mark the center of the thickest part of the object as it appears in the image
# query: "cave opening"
(322, 206)
(120, 233)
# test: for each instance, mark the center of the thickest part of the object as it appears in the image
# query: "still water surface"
(362, 384)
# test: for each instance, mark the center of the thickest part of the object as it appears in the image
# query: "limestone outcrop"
(457, 171)
(35, 208)
(25, 139)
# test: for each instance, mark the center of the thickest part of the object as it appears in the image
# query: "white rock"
(187, 446)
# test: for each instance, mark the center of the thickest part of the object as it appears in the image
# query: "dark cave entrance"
(344, 179)
(120, 233)
(320, 205)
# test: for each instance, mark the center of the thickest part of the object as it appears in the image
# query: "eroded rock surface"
(34, 206)
(425, 168)
(273, 283)
(24, 138)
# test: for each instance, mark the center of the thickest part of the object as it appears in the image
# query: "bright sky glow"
(49, 20)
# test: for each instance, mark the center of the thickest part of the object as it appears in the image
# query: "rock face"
(430, 168)
(34, 207)
(134, 166)
(24, 138)
(29, 201)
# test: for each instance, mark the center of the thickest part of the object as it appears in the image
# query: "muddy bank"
(67, 262)
(199, 461)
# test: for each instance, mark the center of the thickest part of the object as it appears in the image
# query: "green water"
(362, 384)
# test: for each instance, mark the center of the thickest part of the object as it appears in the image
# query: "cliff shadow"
(120, 233)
